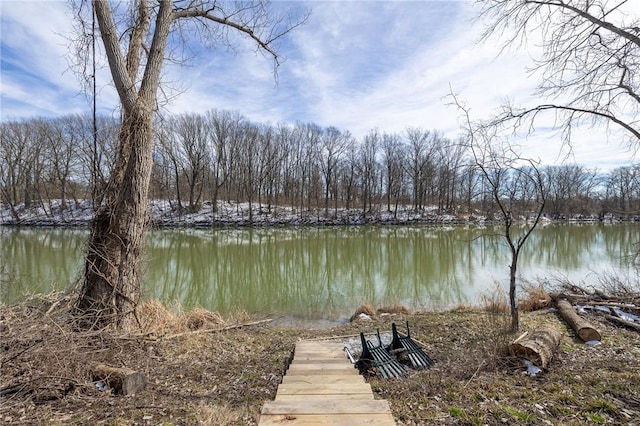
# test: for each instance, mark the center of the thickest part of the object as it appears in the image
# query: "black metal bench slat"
(379, 357)
(417, 356)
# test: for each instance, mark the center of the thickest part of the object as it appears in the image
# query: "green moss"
(457, 412)
(596, 418)
(601, 405)
(518, 415)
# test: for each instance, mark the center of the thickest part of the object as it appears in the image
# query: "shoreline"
(231, 214)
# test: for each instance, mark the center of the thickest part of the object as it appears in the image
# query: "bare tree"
(333, 145)
(368, 168)
(63, 139)
(422, 148)
(516, 185)
(394, 155)
(135, 40)
(225, 128)
(623, 190)
(14, 155)
(588, 61)
(193, 138)
(570, 189)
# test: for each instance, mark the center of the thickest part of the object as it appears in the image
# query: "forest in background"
(222, 156)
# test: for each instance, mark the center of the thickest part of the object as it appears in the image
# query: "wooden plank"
(321, 366)
(315, 388)
(319, 344)
(332, 406)
(294, 371)
(326, 355)
(315, 345)
(321, 387)
(319, 379)
(333, 420)
(305, 397)
(327, 360)
(319, 348)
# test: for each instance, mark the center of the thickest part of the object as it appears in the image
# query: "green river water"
(325, 273)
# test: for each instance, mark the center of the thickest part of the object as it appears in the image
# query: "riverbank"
(164, 214)
(203, 369)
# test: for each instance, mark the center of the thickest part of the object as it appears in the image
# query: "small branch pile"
(622, 307)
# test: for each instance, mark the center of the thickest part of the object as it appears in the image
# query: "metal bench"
(380, 358)
(416, 355)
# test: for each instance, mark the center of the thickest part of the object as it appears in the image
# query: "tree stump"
(581, 326)
(538, 346)
(123, 381)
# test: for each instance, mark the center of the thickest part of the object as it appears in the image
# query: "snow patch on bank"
(227, 213)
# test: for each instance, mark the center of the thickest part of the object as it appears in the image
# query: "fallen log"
(597, 299)
(121, 380)
(538, 346)
(623, 322)
(581, 326)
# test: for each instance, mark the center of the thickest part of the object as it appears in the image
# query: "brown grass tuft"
(394, 309)
(461, 307)
(215, 415)
(493, 304)
(535, 298)
(155, 318)
(198, 318)
(363, 309)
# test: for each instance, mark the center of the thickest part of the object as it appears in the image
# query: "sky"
(355, 65)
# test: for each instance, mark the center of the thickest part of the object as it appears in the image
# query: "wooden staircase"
(321, 387)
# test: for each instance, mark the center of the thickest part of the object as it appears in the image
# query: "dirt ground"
(202, 369)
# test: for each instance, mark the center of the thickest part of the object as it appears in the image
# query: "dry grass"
(224, 377)
(535, 297)
(496, 302)
(156, 319)
(215, 415)
(393, 309)
(364, 309)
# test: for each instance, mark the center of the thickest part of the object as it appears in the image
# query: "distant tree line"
(220, 155)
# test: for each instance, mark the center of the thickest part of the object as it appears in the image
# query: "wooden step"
(305, 397)
(309, 360)
(325, 371)
(331, 406)
(319, 379)
(319, 365)
(333, 420)
(316, 389)
(321, 387)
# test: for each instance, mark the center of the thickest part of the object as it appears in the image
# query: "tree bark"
(538, 346)
(582, 327)
(111, 286)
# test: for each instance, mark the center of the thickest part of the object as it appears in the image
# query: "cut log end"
(123, 381)
(538, 346)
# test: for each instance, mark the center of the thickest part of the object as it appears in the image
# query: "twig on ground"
(215, 330)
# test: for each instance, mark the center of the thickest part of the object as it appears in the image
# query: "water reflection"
(38, 261)
(322, 272)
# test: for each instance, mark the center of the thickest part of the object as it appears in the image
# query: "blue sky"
(356, 65)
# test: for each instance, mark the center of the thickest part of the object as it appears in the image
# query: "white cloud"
(356, 65)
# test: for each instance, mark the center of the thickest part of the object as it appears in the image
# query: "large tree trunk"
(111, 287)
